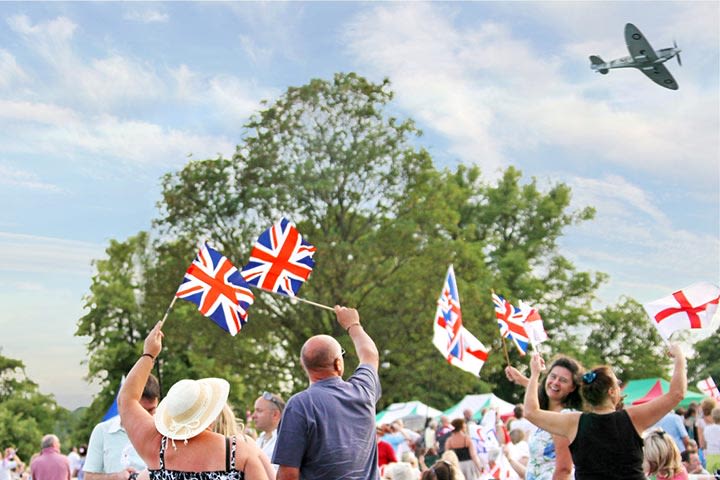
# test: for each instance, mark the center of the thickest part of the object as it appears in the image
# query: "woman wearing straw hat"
(179, 440)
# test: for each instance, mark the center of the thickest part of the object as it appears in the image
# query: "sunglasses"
(271, 398)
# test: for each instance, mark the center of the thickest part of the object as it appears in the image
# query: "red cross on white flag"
(709, 388)
(690, 308)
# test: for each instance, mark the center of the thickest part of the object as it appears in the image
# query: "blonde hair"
(452, 459)
(707, 405)
(715, 414)
(226, 424)
(662, 456)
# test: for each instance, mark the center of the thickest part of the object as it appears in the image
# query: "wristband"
(153, 359)
(134, 475)
(352, 325)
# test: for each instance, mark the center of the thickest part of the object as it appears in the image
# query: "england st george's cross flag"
(709, 388)
(690, 308)
(455, 342)
(280, 261)
(218, 289)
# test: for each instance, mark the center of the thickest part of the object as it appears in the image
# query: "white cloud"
(14, 177)
(632, 237)
(10, 72)
(146, 16)
(101, 82)
(256, 53)
(37, 254)
(38, 128)
(231, 98)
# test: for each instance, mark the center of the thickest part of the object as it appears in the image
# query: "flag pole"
(309, 302)
(167, 312)
(505, 350)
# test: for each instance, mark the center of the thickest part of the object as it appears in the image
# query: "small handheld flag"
(533, 323)
(455, 342)
(280, 261)
(690, 308)
(218, 289)
(510, 323)
(709, 388)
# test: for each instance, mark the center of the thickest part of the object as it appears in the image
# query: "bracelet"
(148, 355)
(352, 325)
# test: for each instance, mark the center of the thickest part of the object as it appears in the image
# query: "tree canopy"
(386, 223)
(25, 413)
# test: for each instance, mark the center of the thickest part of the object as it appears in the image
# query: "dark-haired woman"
(550, 457)
(460, 443)
(605, 443)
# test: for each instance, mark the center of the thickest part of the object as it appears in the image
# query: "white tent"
(476, 404)
(413, 414)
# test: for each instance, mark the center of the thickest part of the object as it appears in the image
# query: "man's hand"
(347, 317)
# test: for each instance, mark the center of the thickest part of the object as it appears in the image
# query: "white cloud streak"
(10, 72)
(38, 254)
(632, 237)
(38, 128)
(14, 177)
(146, 16)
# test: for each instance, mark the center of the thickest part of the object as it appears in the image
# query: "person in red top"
(386, 453)
(50, 464)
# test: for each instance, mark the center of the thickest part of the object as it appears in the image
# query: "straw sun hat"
(190, 406)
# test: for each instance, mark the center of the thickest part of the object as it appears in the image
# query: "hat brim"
(218, 390)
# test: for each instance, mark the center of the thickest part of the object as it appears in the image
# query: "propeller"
(677, 54)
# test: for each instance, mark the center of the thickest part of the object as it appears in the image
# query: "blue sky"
(98, 100)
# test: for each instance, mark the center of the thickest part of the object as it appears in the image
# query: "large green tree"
(386, 223)
(25, 413)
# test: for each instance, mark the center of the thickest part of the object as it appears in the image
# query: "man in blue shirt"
(673, 425)
(328, 430)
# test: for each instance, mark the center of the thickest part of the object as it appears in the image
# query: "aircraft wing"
(638, 45)
(659, 74)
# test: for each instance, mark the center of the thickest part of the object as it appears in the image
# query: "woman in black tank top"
(178, 442)
(605, 442)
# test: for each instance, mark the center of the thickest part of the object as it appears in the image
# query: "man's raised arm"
(367, 352)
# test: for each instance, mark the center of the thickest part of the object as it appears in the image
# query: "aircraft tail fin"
(597, 61)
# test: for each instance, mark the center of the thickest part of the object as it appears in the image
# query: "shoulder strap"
(163, 444)
(232, 453)
(227, 454)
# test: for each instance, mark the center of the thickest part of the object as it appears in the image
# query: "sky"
(99, 99)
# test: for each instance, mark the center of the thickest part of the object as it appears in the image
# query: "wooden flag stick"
(296, 298)
(169, 309)
(507, 357)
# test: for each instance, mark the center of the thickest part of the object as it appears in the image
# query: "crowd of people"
(572, 425)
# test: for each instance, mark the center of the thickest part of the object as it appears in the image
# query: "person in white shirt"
(9, 461)
(517, 452)
(521, 422)
(267, 415)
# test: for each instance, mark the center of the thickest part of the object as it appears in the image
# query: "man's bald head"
(320, 353)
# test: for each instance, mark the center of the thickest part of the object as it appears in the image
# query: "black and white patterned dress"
(230, 473)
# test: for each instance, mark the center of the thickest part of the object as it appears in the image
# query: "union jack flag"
(218, 289)
(455, 342)
(510, 321)
(280, 261)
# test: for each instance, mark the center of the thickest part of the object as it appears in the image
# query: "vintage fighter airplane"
(643, 57)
